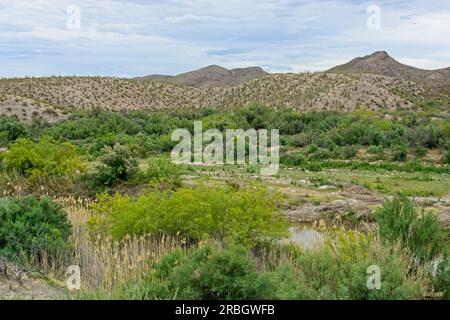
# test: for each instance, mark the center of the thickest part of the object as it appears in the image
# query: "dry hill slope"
(211, 76)
(316, 91)
(381, 63)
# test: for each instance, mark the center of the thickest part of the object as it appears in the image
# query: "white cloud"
(137, 37)
(187, 18)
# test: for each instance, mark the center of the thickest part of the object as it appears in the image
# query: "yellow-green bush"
(245, 216)
(44, 158)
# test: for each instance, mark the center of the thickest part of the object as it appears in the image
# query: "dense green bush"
(420, 233)
(117, 164)
(10, 130)
(206, 273)
(244, 216)
(43, 158)
(30, 227)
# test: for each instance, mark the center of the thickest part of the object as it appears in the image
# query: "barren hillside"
(211, 76)
(307, 91)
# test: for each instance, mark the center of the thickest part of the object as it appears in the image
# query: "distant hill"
(303, 91)
(211, 76)
(381, 63)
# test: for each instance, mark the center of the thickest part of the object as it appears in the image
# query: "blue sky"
(139, 37)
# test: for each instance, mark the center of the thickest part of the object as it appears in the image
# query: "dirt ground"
(29, 289)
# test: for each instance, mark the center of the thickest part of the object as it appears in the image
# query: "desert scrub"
(31, 229)
(202, 212)
(44, 158)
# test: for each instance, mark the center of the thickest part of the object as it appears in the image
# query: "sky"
(140, 37)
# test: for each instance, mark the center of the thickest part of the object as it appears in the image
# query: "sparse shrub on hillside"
(420, 152)
(31, 228)
(292, 159)
(377, 150)
(321, 154)
(348, 152)
(44, 158)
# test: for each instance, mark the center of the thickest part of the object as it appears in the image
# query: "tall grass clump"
(419, 232)
(106, 262)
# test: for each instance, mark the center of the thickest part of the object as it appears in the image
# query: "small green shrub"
(399, 153)
(30, 227)
(377, 150)
(43, 159)
(348, 152)
(10, 130)
(163, 170)
(292, 159)
(116, 164)
(420, 152)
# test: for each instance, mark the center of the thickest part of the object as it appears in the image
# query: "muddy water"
(306, 238)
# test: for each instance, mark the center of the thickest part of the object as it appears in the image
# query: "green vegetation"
(336, 271)
(31, 228)
(42, 159)
(10, 130)
(399, 220)
(146, 228)
(244, 216)
(116, 164)
(331, 134)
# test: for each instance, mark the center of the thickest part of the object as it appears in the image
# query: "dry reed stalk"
(104, 262)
